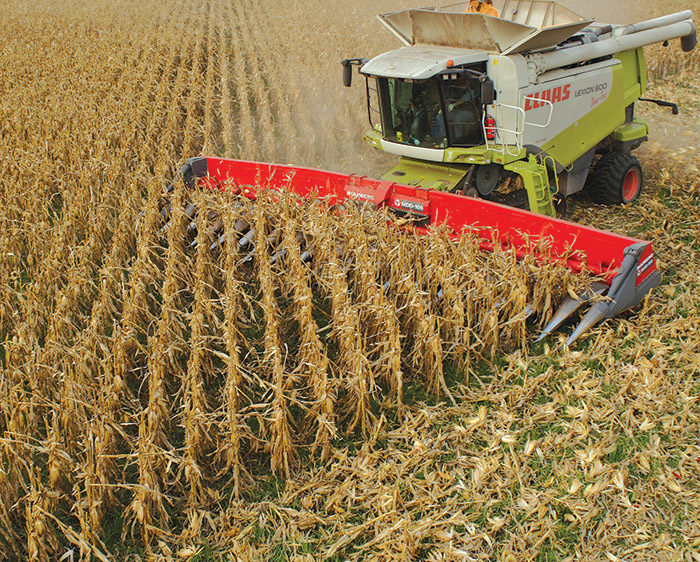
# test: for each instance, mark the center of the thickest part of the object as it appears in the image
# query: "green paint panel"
(430, 175)
(593, 127)
(642, 65)
(631, 74)
(481, 155)
(374, 139)
(631, 131)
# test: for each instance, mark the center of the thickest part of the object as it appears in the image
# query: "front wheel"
(616, 179)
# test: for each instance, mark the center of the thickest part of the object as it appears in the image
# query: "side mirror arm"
(347, 69)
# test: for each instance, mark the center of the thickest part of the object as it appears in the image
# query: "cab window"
(463, 111)
(412, 112)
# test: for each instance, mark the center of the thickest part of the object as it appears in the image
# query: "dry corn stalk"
(272, 361)
(312, 360)
(233, 429)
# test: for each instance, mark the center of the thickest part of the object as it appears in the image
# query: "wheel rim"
(630, 185)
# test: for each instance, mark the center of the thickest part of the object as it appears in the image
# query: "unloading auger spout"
(625, 266)
(620, 39)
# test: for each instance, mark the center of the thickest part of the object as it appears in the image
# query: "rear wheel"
(616, 179)
(559, 201)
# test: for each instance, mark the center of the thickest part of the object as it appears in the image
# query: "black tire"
(617, 179)
(560, 206)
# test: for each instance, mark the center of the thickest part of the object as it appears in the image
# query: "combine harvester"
(489, 114)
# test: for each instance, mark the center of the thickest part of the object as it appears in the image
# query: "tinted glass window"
(412, 112)
(463, 111)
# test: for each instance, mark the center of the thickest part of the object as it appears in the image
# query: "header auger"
(489, 114)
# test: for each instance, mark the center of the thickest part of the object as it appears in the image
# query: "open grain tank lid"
(523, 25)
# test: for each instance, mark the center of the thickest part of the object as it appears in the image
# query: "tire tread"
(605, 182)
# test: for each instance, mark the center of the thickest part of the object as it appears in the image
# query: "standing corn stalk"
(136, 317)
(381, 330)
(40, 537)
(449, 298)
(281, 443)
(312, 361)
(197, 424)
(147, 508)
(354, 369)
(233, 429)
(165, 347)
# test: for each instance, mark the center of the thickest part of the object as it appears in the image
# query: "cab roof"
(420, 62)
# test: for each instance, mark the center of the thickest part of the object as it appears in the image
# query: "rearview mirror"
(488, 91)
(347, 69)
(347, 73)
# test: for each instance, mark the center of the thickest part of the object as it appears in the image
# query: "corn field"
(163, 396)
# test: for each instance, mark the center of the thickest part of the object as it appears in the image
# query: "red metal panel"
(576, 246)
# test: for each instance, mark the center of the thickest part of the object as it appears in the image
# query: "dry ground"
(549, 453)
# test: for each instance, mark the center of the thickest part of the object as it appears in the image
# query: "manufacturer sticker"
(408, 205)
(645, 264)
(358, 195)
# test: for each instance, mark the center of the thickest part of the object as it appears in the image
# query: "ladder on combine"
(536, 179)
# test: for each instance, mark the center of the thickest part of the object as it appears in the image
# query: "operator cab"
(442, 111)
(426, 97)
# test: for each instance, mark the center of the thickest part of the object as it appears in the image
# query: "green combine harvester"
(523, 109)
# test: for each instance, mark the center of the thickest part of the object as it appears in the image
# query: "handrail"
(549, 117)
(501, 131)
